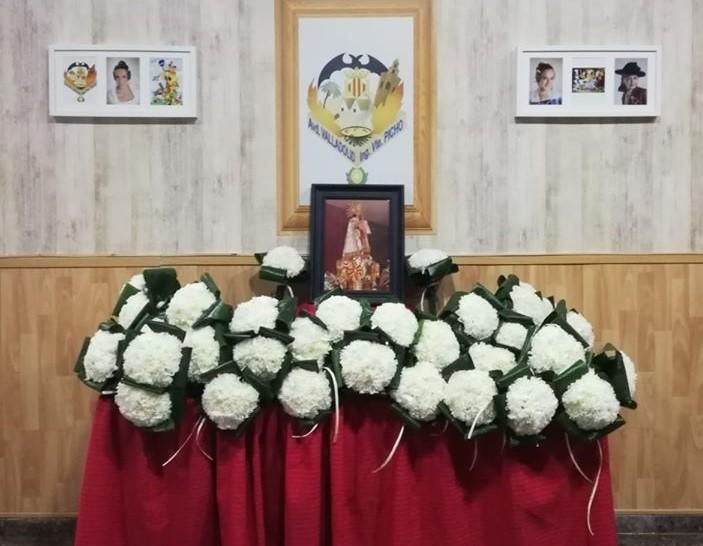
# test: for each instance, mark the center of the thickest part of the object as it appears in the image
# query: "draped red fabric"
(275, 490)
(129, 499)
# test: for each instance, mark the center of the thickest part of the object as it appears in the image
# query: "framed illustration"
(355, 102)
(357, 240)
(601, 81)
(98, 81)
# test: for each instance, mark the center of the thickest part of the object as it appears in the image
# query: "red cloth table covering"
(266, 488)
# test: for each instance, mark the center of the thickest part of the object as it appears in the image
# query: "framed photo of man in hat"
(632, 84)
(588, 81)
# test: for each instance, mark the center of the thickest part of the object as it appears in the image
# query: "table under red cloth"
(266, 488)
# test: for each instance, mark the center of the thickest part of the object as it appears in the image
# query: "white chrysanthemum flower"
(304, 394)
(286, 258)
(511, 334)
(142, 408)
(584, 328)
(228, 401)
(138, 282)
(553, 349)
(131, 308)
(206, 351)
(470, 392)
(420, 390)
(259, 311)
(437, 344)
(631, 373)
(153, 358)
(262, 355)
(339, 313)
(188, 304)
(527, 302)
(531, 404)
(367, 367)
(310, 341)
(487, 357)
(100, 360)
(590, 402)
(425, 257)
(397, 321)
(480, 318)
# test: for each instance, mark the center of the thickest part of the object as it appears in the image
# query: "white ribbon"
(336, 403)
(198, 425)
(422, 295)
(573, 460)
(478, 415)
(197, 439)
(308, 433)
(595, 487)
(290, 291)
(473, 462)
(390, 455)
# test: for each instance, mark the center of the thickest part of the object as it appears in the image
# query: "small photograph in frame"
(357, 240)
(630, 81)
(79, 76)
(166, 75)
(546, 85)
(588, 79)
(122, 80)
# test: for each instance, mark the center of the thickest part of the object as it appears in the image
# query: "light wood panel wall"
(652, 311)
(153, 186)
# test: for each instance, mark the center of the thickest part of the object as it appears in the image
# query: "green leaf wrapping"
(276, 334)
(79, 367)
(127, 292)
(586, 435)
(218, 312)
(111, 326)
(161, 283)
(452, 304)
(210, 284)
(164, 327)
(366, 312)
(464, 362)
(226, 367)
(314, 319)
(433, 273)
(322, 297)
(562, 381)
(274, 274)
(613, 370)
(505, 285)
(286, 313)
(405, 417)
(513, 375)
(558, 317)
(179, 386)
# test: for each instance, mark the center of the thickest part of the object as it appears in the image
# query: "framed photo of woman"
(357, 240)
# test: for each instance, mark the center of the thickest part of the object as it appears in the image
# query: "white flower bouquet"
(152, 388)
(98, 364)
(426, 268)
(143, 296)
(396, 322)
(419, 391)
(436, 343)
(341, 313)
(364, 364)
(469, 401)
(523, 298)
(306, 393)
(198, 304)
(283, 265)
(472, 315)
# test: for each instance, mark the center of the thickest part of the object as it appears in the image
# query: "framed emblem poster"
(355, 102)
(357, 241)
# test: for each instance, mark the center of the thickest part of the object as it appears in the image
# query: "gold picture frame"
(293, 215)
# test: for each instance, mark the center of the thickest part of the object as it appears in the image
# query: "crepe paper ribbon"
(392, 452)
(197, 429)
(336, 403)
(308, 433)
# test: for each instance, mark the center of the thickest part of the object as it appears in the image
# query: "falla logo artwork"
(355, 105)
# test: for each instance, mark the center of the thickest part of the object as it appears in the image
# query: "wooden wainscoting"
(651, 308)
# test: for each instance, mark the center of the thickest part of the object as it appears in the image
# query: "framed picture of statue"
(589, 81)
(357, 240)
(122, 82)
(355, 102)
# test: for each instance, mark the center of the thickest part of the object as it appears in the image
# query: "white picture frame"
(588, 81)
(123, 82)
